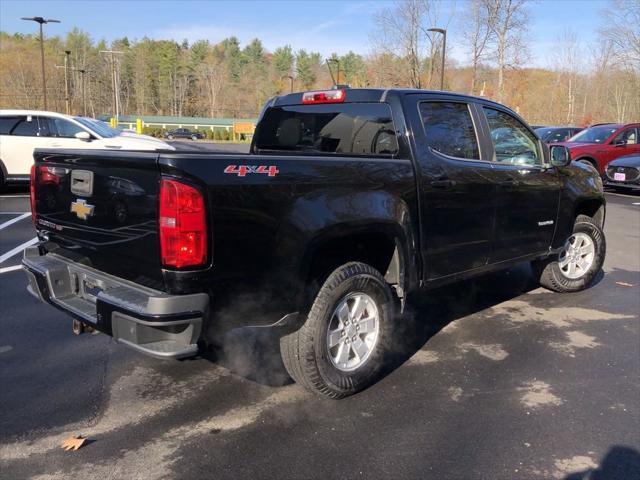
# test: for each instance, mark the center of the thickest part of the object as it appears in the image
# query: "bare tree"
(567, 58)
(213, 77)
(622, 29)
(479, 29)
(509, 29)
(402, 33)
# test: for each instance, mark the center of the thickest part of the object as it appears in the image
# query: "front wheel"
(578, 262)
(341, 347)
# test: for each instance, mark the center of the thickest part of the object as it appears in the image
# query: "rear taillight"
(183, 226)
(324, 96)
(32, 192)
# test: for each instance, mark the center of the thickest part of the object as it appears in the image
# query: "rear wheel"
(578, 262)
(170, 137)
(341, 347)
(194, 138)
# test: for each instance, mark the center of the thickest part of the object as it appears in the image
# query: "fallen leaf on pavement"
(73, 443)
(625, 284)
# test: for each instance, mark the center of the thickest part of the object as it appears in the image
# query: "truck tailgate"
(101, 206)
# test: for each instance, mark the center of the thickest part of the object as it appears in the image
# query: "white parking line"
(12, 213)
(18, 249)
(10, 269)
(14, 220)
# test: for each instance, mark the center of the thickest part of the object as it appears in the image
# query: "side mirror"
(560, 156)
(84, 136)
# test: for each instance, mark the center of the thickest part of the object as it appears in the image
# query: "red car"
(600, 144)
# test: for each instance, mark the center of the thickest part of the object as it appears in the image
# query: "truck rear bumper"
(147, 320)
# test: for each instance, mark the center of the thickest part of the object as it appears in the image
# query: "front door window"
(513, 143)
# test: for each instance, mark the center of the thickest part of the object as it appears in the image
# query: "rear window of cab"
(346, 129)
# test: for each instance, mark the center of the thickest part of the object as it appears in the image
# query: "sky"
(322, 26)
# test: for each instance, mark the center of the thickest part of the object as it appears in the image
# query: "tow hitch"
(79, 328)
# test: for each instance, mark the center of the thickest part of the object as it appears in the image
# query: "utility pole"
(114, 78)
(42, 21)
(444, 52)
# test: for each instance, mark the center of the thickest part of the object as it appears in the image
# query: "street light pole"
(84, 100)
(67, 53)
(444, 52)
(42, 21)
(337, 62)
(290, 77)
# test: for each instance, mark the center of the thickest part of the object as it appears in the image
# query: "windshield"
(543, 132)
(594, 134)
(101, 128)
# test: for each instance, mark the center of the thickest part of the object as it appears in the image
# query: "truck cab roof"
(354, 95)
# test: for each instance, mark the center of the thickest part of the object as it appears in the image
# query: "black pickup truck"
(350, 202)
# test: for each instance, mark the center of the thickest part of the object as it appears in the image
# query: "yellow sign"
(246, 128)
(82, 209)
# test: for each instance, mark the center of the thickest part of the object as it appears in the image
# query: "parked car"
(351, 203)
(624, 173)
(21, 131)
(184, 133)
(600, 144)
(557, 134)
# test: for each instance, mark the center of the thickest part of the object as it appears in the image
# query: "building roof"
(171, 120)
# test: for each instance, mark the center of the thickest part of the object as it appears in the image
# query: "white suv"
(23, 130)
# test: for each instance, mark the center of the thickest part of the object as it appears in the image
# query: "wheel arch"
(593, 208)
(591, 160)
(383, 246)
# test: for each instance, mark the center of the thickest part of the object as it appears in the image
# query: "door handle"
(512, 182)
(443, 183)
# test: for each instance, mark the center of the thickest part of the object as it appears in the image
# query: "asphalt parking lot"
(502, 380)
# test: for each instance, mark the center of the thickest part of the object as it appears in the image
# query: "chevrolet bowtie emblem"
(82, 209)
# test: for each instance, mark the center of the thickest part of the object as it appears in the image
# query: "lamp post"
(42, 21)
(444, 50)
(337, 62)
(67, 54)
(290, 77)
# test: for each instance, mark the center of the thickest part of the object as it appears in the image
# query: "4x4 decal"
(243, 170)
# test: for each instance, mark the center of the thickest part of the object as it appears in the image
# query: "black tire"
(305, 352)
(549, 272)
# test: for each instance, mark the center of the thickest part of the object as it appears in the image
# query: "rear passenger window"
(342, 129)
(449, 129)
(7, 124)
(26, 127)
